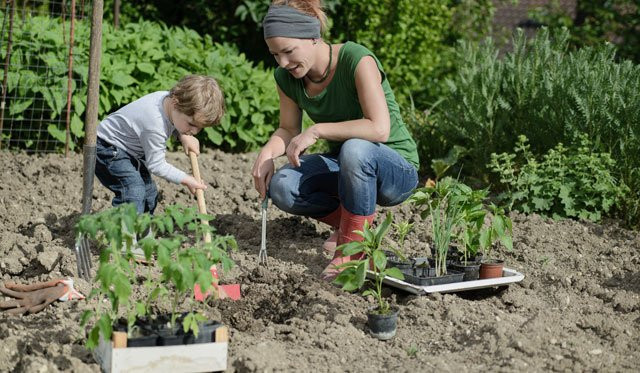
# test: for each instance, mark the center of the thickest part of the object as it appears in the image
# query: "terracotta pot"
(491, 268)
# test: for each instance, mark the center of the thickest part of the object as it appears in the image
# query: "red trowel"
(224, 291)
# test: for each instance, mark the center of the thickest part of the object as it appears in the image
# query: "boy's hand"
(193, 184)
(190, 143)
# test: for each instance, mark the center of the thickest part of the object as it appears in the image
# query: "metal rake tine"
(83, 258)
(262, 255)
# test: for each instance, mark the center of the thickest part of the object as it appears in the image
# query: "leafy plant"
(500, 230)
(137, 59)
(354, 273)
(570, 182)
(181, 263)
(548, 93)
(402, 230)
(477, 223)
(444, 218)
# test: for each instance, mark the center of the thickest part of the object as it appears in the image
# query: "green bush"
(408, 36)
(567, 182)
(138, 59)
(414, 39)
(548, 94)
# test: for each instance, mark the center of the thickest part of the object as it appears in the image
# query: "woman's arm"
(290, 124)
(374, 126)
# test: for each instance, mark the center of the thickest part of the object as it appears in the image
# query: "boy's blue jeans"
(362, 175)
(125, 176)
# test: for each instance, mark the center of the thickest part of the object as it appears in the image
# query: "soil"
(578, 308)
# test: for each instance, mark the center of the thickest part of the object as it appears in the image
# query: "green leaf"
(394, 272)
(122, 79)
(56, 133)
(104, 324)
(146, 67)
(361, 273)
(17, 107)
(213, 135)
(379, 260)
(86, 315)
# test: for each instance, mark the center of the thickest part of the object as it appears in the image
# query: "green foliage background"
(137, 59)
(548, 93)
(414, 39)
(617, 21)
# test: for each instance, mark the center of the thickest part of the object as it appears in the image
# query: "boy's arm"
(155, 150)
(189, 143)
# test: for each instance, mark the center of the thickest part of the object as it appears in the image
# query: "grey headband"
(283, 20)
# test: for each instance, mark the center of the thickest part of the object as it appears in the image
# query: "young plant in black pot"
(382, 318)
(173, 264)
(444, 205)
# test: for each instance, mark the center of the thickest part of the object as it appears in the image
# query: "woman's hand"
(262, 171)
(190, 143)
(299, 144)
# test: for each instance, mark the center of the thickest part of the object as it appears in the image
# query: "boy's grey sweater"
(142, 128)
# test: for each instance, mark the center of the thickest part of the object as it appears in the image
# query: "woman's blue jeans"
(125, 176)
(362, 175)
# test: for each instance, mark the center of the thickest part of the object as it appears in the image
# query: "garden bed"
(577, 308)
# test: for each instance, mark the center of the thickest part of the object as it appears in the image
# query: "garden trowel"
(224, 291)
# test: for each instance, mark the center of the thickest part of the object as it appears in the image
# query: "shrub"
(550, 95)
(567, 182)
(138, 59)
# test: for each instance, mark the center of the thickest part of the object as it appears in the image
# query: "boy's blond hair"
(200, 97)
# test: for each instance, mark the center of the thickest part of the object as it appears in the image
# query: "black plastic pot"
(395, 261)
(383, 327)
(471, 270)
(143, 336)
(451, 277)
(172, 336)
(144, 341)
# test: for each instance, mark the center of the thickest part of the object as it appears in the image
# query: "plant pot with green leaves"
(153, 301)
(381, 318)
(444, 204)
(500, 230)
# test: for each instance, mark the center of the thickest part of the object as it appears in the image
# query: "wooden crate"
(201, 357)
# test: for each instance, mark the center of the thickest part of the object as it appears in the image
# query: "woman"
(344, 90)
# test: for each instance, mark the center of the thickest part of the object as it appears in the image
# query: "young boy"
(131, 142)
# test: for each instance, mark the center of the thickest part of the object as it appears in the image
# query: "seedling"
(402, 230)
(181, 262)
(500, 230)
(469, 211)
(353, 275)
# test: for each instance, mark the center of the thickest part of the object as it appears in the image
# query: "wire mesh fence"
(44, 62)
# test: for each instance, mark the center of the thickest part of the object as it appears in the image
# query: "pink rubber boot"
(348, 223)
(333, 219)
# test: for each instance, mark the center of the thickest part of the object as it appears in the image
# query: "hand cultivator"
(262, 255)
(224, 291)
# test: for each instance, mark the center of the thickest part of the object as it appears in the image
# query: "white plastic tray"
(509, 276)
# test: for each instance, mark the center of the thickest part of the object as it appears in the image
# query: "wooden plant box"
(199, 357)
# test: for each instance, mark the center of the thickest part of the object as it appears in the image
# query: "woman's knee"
(356, 154)
(282, 191)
